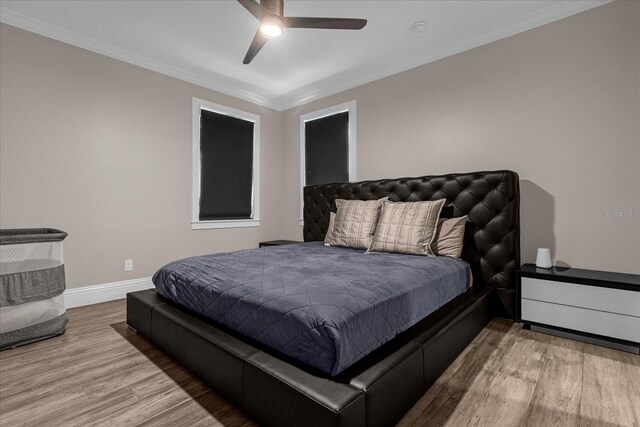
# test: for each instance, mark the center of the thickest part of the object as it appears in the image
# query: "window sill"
(233, 223)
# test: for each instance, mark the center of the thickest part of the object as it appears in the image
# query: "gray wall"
(102, 149)
(559, 104)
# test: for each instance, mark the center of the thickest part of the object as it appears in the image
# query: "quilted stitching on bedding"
(324, 306)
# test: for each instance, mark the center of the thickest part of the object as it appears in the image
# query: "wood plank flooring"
(101, 374)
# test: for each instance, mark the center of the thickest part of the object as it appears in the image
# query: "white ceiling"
(204, 42)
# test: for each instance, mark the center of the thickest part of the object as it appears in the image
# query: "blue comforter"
(324, 306)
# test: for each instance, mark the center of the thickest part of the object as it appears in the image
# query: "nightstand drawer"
(585, 296)
(580, 319)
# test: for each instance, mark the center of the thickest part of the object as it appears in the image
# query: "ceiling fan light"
(271, 29)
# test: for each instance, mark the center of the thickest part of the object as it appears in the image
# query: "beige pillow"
(355, 222)
(407, 227)
(449, 237)
(332, 224)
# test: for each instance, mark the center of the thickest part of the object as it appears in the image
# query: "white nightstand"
(594, 306)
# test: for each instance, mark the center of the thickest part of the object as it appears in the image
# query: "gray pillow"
(355, 222)
(449, 237)
(407, 227)
(332, 224)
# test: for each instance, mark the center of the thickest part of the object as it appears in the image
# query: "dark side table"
(276, 243)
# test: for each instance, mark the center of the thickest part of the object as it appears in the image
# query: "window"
(226, 159)
(328, 146)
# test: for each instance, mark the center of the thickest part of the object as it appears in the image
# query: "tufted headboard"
(490, 199)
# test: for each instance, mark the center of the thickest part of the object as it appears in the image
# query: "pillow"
(449, 237)
(332, 224)
(407, 227)
(355, 222)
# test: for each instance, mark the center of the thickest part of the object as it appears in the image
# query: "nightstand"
(599, 307)
(276, 243)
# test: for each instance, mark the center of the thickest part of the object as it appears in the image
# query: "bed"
(326, 307)
(276, 386)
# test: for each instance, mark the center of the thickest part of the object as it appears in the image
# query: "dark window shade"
(226, 166)
(327, 149)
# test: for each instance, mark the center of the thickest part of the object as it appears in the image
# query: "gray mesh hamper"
(31, 285)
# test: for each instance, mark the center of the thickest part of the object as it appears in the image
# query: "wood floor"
(100, 373)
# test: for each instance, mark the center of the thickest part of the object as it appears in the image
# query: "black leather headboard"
(490, 199)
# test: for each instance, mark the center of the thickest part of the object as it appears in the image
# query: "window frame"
(349, 107)
(254, 220)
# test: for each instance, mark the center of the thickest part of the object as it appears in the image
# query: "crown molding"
(217, 82)
(381, 69)
(317, 90)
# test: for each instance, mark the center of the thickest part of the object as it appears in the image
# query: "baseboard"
(94, 294)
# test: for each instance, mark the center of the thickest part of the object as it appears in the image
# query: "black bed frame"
(379, 389)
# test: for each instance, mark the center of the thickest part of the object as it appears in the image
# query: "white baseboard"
(86, 295)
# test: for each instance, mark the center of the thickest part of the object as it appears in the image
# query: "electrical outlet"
(128, 264)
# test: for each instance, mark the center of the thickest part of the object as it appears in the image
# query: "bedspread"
(326, 307)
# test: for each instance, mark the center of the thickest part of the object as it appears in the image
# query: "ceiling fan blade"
(258, 41)
(255, 8)
(329, 23)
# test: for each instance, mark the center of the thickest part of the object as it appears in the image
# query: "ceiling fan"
(273, 23)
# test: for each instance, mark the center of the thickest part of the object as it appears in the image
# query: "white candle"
(543, 260)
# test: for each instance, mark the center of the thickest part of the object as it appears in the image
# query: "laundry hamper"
(31, 285)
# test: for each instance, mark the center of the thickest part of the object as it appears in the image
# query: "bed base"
(275, 391)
